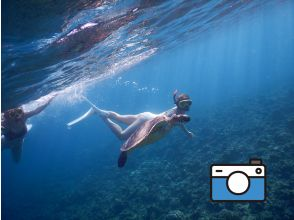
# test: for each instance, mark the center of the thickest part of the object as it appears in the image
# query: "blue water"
(233, 58)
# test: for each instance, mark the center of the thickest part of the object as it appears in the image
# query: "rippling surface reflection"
(49, 47)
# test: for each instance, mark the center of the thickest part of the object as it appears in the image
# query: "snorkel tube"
(175, 96)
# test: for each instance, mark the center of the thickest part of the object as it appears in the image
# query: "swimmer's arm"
(189, 133)
(36, 111)
(39, 108)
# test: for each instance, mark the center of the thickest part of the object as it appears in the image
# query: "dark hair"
(182, 97)
(15, 113)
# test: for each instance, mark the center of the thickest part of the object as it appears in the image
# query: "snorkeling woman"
(133, 122)
(14, 127)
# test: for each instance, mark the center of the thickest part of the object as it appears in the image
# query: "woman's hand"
(191, 134)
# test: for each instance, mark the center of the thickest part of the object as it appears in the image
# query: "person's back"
(13, 124)
(14, 127)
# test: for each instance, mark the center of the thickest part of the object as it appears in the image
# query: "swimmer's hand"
(191, 134)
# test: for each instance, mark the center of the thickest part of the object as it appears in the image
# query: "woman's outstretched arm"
(42, 103)
(189, 133)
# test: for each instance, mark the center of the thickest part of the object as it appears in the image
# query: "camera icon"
(238, 182)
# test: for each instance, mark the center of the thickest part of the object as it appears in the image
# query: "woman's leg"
(126, 133)
(127, 119)
(16, 149)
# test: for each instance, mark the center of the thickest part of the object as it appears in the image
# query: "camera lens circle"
(238, 183)
(258, 170)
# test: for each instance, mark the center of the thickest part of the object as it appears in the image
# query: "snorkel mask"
(182, 101)
(185, 103)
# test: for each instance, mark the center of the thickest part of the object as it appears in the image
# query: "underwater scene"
(114, 109)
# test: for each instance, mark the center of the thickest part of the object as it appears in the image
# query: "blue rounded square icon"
(238, 182)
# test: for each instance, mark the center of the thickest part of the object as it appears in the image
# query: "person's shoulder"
(170, 111)
(173, 110)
